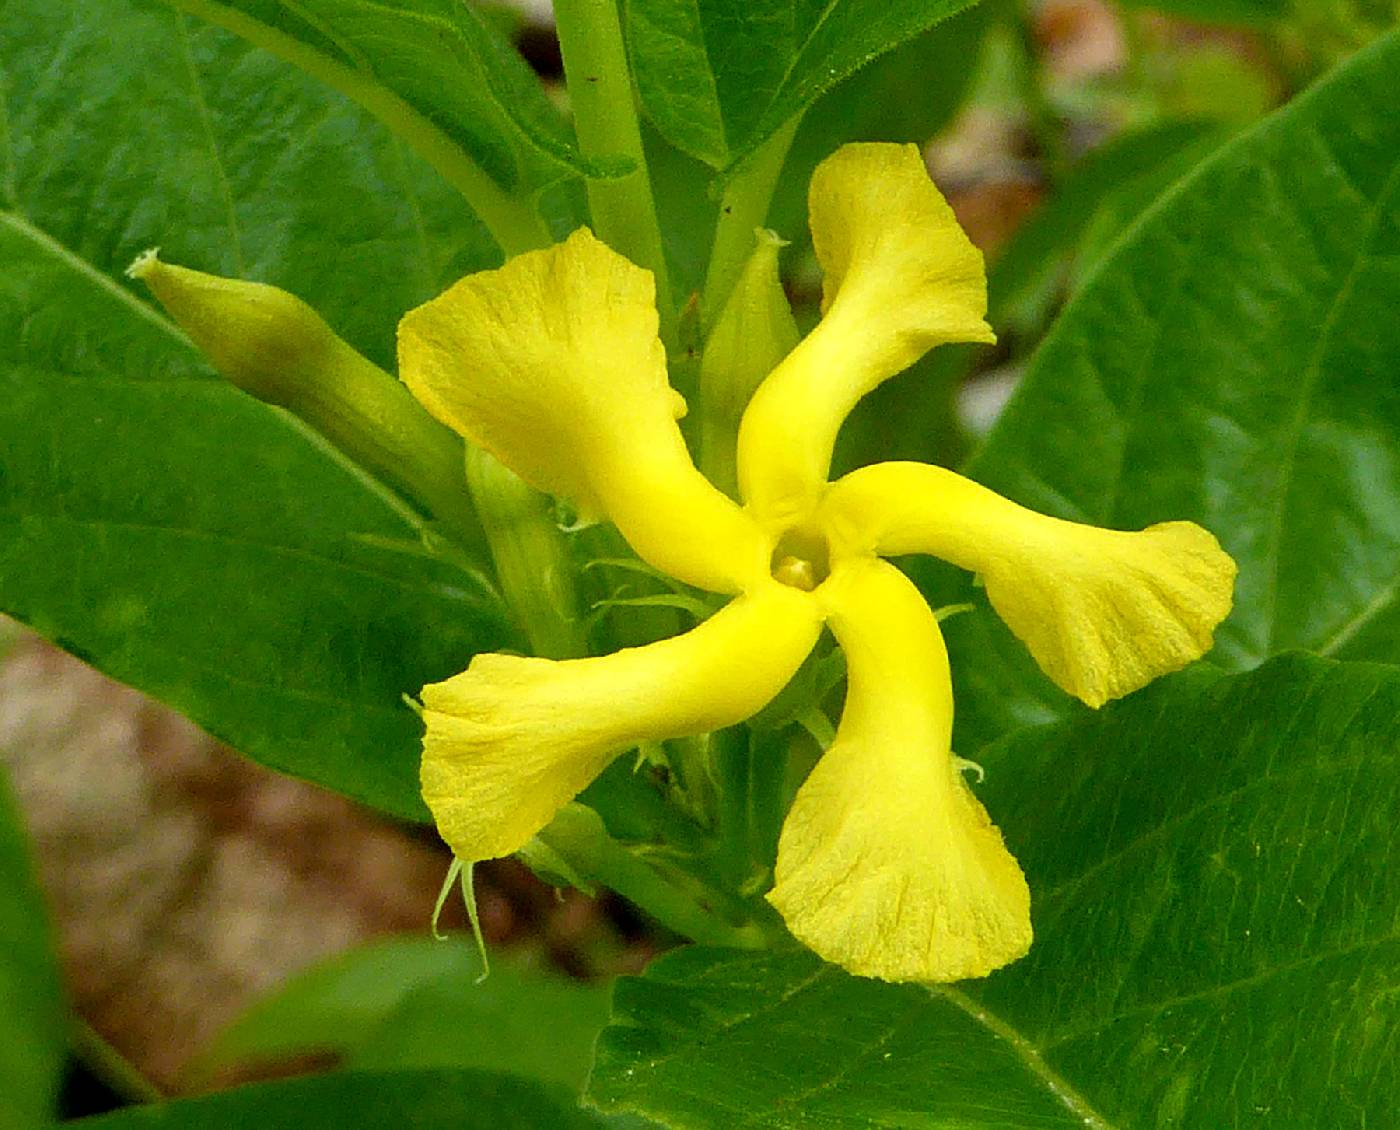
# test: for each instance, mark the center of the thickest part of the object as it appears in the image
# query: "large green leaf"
(32, 1011)
(416, 1002)
(433, 70)
(184, 538)
(369, 1100)
(1211, 867)
(1236, 361)
(130, 125)
(718, 77)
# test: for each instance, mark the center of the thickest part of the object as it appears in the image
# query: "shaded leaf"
(414, 1002)
(422, 66)
(1103, 193)
(372, 1100)
(1218, 942)
(906, 95)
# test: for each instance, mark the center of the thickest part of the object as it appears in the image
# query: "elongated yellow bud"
(754, 331)
(273, 345)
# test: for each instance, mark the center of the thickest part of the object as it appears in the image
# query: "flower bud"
(273, 345)
(754, 331)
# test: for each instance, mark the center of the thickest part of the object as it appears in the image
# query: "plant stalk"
(605, 116)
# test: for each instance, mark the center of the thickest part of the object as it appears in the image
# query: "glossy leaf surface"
(1218, 941)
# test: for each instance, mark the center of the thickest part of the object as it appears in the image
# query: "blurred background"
(187, 886)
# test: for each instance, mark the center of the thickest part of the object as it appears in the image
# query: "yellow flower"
(887, 864)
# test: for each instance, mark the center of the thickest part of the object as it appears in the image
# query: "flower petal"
(1104, 612)
(900, 277)
(552, 364)
(512, 739)
(887, 864)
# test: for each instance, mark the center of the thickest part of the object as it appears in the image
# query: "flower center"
(802, 559)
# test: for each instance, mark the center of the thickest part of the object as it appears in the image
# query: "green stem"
(578, 835)
(512, 221)
(743, 207)
(729, 761)
(532, 561)
(768, 762)
(109, 1065)
(605, 115)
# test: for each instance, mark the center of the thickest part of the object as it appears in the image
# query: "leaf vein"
(1263, 783)
(866, 1053)
(91, 274)
(1028, 1054)
(206, 123)
(1311, 376)
(192, 534)
(1151, 1007)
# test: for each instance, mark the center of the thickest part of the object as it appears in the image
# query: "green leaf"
(1234, 361)
(719, 77)
(415, 1003)
(371, 1100)
(1108, 188)
(1211, 868)
(875, 104)
(153, 519)
(32, 1010)
(436, 74)
(130, 125)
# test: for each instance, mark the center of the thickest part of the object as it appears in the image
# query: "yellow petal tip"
(1111, 611)
(551, 362)
(892, 249)
(900, 879)
(502, 754)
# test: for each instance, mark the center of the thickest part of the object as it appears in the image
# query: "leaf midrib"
(75, 262)
(1028, 1054)
(195, 534)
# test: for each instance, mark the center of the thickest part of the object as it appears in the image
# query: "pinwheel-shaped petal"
(512, 739)
(1104, 612)
(887, 863)
(552, 364)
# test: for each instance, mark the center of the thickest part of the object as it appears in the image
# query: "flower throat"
(801, 559)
